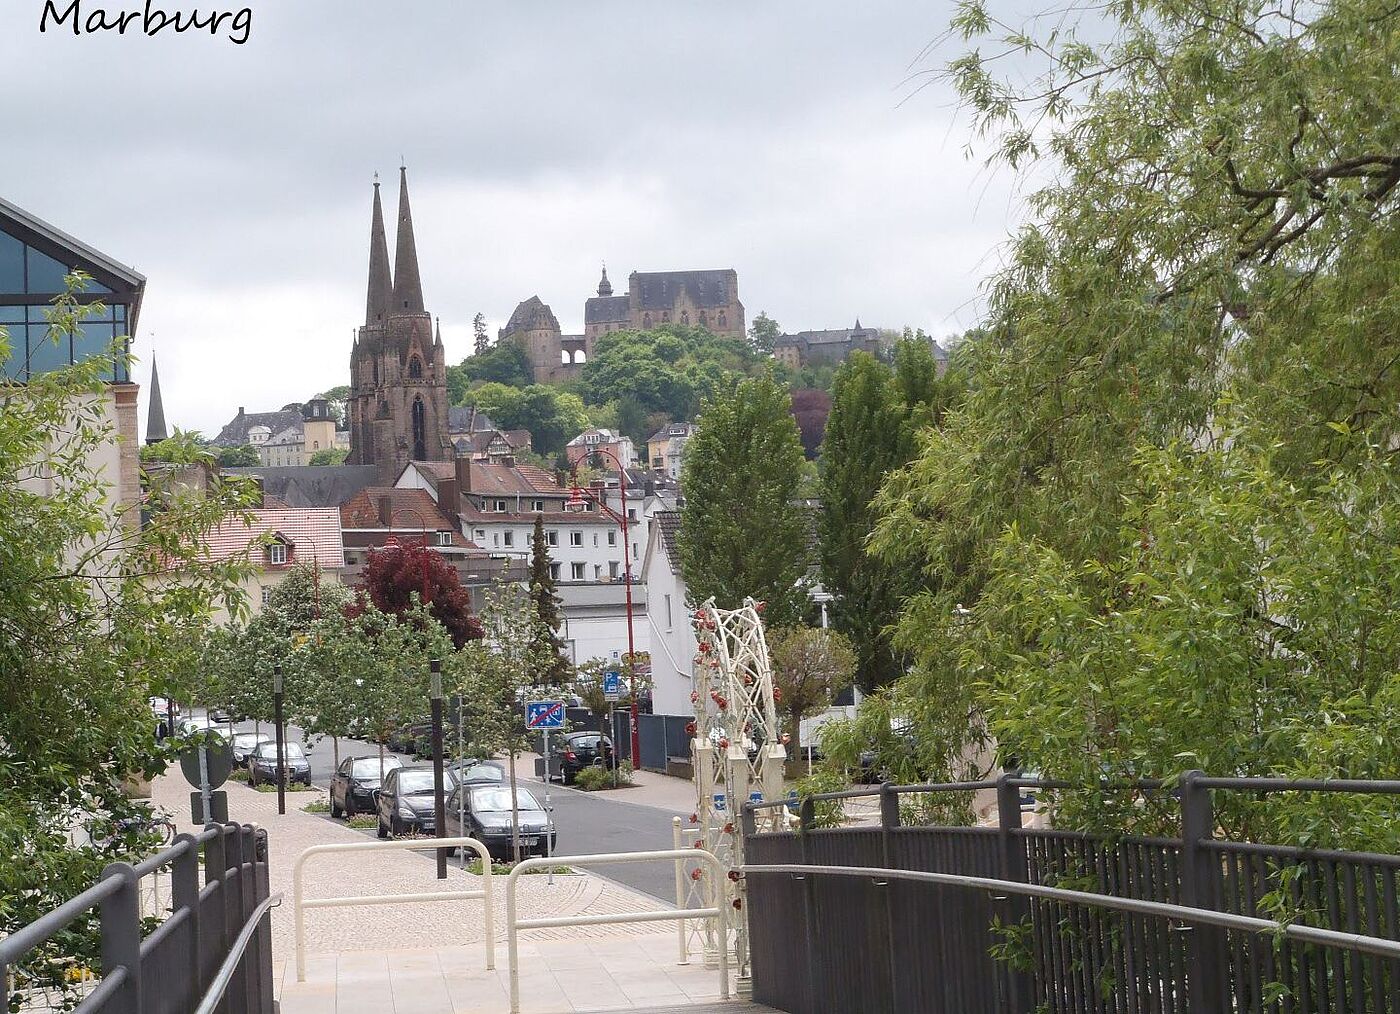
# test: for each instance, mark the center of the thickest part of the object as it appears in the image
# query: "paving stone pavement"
(418, 925)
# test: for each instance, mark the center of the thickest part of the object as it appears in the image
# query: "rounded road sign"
(219, 765)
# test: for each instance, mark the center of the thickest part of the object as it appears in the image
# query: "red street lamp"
(578, 499)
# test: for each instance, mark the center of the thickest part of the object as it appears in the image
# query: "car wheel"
(336, 810)
(382, 831)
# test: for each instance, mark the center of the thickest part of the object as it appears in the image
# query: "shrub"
(595, 778)
(317, 806)
(239, 775)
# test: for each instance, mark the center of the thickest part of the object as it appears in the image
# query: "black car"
(579, 750)
(354, 782)
(485, 814)
(405, 803)
(403, 737)
(262, 763)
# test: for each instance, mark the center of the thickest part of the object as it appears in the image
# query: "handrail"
(1381, 946)
(219, 986)
(299, 905)
(717, 909)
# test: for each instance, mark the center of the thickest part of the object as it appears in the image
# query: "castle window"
(722, 321)
(665, 316)
(564, 357)
(580, 356)
(420, 431)
(704, 319)
(685, 316)
(646, 320)
(415, 368)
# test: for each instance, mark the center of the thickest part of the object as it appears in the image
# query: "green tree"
(763, 332)
(182, 446)
(810, 666)
(742, 531)
(330, 456)
(99, 611)
(1208, 275)
(546, 599)
(552, 416)
(506, 362)
(481, 343)
(667, 370)
(238, 457)
(337, 398)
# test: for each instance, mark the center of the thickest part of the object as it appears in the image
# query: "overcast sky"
(541, 138)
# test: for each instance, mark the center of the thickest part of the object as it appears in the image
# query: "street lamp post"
(281, 757)
(576, 499)
(439, 807)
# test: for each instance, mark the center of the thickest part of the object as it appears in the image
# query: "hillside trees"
(743, 533)
(669, 369)
(552, 415)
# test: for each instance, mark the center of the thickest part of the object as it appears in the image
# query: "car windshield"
(415, 781)
(479, 773)
(291, 751)
(496, 799)
(368, 767)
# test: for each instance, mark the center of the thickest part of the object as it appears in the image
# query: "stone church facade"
(398, 368)
(708, 299)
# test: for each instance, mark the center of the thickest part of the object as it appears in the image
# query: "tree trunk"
(514, 812)
(335, 752)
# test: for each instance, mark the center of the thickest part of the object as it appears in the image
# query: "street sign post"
(207, 765)
(544, 714)
(612, 685)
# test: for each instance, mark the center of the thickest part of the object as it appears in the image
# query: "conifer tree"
(483, 340)
(544, 595)
(743, 531)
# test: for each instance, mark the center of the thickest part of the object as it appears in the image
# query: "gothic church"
(398, 368)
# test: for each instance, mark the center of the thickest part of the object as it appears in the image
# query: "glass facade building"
(34, 259)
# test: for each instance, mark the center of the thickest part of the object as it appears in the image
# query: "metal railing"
(716, 909)
(1012, 918)
(173, 966)
(300, 903)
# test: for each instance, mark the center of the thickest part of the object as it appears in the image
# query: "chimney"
(386, 512)
(240, 409)
(464, 476)
(449, 498)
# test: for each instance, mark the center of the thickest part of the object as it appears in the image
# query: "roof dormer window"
(277, 554)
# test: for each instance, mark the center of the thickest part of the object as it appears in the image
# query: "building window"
(415, 368)
(631, 514)
(510, 538)
(665, 316)
(554, 571)
(595, 538)
(668, 611)
(480, 535)
(537, 506)
(552, 537)
(500, 506)
(576, 571)
(612, 538)
(444, 538)
(685, 316)
(277, 554)
(612, 569)
(597, 572)
(575, 538)
(420, 430)
(723, 322)
(496, 540)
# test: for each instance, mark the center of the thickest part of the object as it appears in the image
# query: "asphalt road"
(587, 822)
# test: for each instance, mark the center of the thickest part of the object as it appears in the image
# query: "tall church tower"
(398, 368)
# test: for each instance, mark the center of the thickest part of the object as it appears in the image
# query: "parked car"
(192, 725)
(579, 750)
(486, 813)
(355, 781)
(402, 738)
(474, 770)
(262, 763)
(244, 743)
(405, 802)
(221, 714)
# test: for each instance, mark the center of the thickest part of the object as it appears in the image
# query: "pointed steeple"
(605, 286)
(155, 413)
(381, 289)
(438, 343)
(408, 286)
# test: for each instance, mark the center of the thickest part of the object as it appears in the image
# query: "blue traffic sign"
(544, 714)
(612, 685)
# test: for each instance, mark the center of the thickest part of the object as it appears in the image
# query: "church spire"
(155, 412)
(380, 286)
(408, 286)
(605, 286)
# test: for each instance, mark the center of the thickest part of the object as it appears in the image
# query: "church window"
(420, 431)
(376, 370)
(415, 368)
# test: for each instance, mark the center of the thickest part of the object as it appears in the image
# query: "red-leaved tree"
(395, 573)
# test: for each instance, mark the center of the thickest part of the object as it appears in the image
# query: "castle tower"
(398, 367)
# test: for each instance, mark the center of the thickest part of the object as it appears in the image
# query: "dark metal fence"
(170, 969)
(1066, 921)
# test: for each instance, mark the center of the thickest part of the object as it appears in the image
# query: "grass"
(239, 775)
(317, 806)
(291, 787)
(363, 820)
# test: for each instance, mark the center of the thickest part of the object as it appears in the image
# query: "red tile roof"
(312, 533)
(410, 511)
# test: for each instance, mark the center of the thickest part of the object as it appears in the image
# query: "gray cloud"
(541, 138)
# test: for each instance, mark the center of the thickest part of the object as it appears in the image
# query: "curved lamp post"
(579, 498)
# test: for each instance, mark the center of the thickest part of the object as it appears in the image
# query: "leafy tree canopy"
(506, 362)
(330, 456)
(667, 370)
(182, 446)
(399, 576)
(238, 457)
(552, 416)
(763, 332)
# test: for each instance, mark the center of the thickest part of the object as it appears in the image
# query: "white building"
(671, 636)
